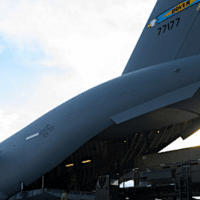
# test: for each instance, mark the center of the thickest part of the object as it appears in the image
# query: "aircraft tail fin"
(172, 32)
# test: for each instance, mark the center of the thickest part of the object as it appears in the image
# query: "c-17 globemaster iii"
(101, 130)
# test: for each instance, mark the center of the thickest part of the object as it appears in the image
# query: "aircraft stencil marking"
(47, 130)
(32, 136)
(171, 12)
(170, 26)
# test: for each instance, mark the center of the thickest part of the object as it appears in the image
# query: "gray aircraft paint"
(145, 87)
(179, 42)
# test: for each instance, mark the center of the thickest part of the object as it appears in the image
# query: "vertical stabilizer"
(172, 32)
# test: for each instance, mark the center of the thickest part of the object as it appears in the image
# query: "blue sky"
(53, 50)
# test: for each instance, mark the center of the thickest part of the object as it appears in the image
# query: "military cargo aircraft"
(100, 131)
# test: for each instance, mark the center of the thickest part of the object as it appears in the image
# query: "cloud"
(72, 46)
(179, 143)
(1, 48)
(7, 120)
(71, 31)
(13, 119)
(7, 124)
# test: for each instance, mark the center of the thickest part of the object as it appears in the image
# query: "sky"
(50, 51)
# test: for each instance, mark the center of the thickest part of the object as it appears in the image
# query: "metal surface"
(52, 195)
(169, 159)
(172, 43)
(180, 180)
(154, 102)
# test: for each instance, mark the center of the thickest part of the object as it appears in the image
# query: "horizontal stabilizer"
(160, 102)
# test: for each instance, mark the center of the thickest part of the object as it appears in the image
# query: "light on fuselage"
(69, 165)
(86, 161)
